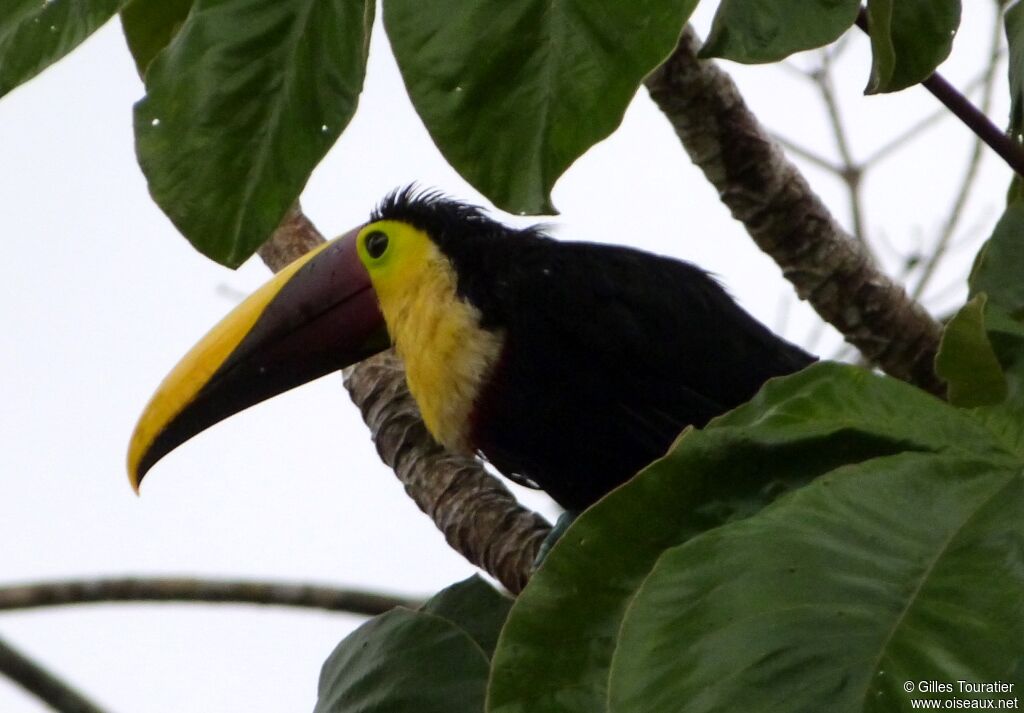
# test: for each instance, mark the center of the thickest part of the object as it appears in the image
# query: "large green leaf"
(150, 25)
(240, 108)
(770, 30)
(555, 651)
(475, 606)
(999, 268)
(909, 39)
(967, 361)
(796, 429)
(404, 662)
(1014, 19)
(513, 92)
(36, 33)
(827, 398)
(901, 569)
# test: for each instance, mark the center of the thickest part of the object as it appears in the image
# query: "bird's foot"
(561, 525)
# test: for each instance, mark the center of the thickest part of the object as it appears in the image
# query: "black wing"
(610, 353)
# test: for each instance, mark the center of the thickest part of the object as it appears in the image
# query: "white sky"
(101, 296)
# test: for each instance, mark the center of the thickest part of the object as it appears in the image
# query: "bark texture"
(478, 515)
(788, 221)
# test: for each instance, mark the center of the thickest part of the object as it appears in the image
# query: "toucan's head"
(329, 309)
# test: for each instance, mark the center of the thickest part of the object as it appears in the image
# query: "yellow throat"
(447, 355)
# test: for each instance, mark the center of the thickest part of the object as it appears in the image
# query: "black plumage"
(609, 352)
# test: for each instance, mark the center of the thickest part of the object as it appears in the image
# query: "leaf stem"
(997, 139)
(970, 175)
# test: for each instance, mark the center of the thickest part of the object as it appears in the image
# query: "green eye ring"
(376, 244)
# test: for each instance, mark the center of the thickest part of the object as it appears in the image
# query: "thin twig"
(955, 287)
(912, 132)
(188, 589)
(808, 155)
(851, 172)
(34, 678)
(838, 47)
(970, 173)
(901, 139)
(918, 128)
(1008, 149)
(790, 66)
(823, 80)
(833, 51)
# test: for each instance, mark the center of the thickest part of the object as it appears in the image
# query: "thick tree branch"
(188, 589)
(788, 221)
(35, 679)
(478, 515)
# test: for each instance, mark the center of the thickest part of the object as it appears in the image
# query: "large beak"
(317, 315)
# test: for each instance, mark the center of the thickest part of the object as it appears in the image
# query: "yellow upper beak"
(315, 316)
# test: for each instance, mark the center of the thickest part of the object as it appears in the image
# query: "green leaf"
(1006, 335)
(967, 361)
(795, 430)
(581, 592)
(475, 606)
(240, 108)
(150, 25)
(900, 569)
(513, 92)
(36, 33)
(1014, 22)
(909, 39)
(996, 274)
(829, 397)
(770, 30)
(999, 267)
(404, 662)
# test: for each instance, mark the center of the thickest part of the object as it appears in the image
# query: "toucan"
(567, 365)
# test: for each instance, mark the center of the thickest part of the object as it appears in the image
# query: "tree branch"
(477, 514)
(188, 589)
(35, 679)
(788, 221)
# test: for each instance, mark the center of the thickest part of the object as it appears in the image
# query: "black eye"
(376, 244)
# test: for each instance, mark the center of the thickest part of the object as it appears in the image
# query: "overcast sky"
(101, 296)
